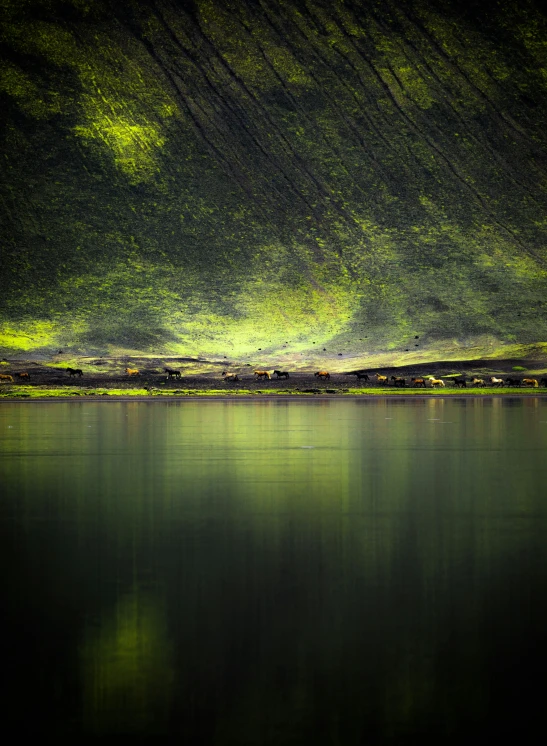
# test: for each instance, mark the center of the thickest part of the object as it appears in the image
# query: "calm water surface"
(269, 573)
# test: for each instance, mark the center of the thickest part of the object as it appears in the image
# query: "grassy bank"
(35, 392)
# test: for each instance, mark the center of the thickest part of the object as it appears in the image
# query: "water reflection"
(275, 572)
(127, 669)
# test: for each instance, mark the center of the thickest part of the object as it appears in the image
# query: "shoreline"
(264, 397)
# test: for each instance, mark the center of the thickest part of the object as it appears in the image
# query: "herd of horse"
(401, 382)
(382, 380)
(460, 382)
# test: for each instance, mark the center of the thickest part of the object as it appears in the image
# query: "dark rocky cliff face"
(214, 177)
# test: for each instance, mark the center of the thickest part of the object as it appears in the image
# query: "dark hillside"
(222, 177)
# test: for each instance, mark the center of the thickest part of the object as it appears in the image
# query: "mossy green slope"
(219, 176)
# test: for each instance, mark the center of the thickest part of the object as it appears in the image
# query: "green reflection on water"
(127, 669)
(271, 572)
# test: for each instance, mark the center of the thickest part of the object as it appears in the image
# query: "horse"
(322, 374)
(512, 381)
(496, 381)
(436, 382)
(461, 382)
(477, 382)
(530, 382)
(230, 376)
(25, 376)
(6, 377)
(398, 381)
(381, 379)
(543, 381)
(262, 374)
(360, 376)
(418, 382)
(281, 373)
(75, 372)
(132, 372)
(172, 373)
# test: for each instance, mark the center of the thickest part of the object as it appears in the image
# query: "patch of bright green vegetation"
(41, 392)
(30, 392)
(132, 144)
(28, 335)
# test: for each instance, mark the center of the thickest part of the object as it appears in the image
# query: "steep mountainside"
(221, 176)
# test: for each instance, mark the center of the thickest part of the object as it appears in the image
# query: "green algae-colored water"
(275, 572)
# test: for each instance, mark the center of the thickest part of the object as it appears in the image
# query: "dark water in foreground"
(274, 573)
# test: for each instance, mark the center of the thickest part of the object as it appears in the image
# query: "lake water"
(324, 572)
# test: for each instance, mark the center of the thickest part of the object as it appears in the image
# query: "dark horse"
(461, 382)
(172, 373)
(543, 381)
(398, 381)
(281, 373)
(74, 372)
(360, 376)
(512, 381)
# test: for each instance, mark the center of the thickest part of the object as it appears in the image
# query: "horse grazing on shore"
(172, 373)
(436, 383)
(461, 382)
(398, 381)
(496, 381)
(322, 374)
(6, 377)
(381, 379)
(75, 372)
(418, 382)
(25, 376)
(132, 372)
(262, 374)
(530, 382)
(281, 373)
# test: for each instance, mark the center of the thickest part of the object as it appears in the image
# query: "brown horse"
(25, 376)
(418, 382)
(322, 374)
(398, 381)
(262, 374)
(530, 382)
(132, 372)
(6, 377)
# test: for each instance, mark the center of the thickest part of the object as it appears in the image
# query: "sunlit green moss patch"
(28, 335)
